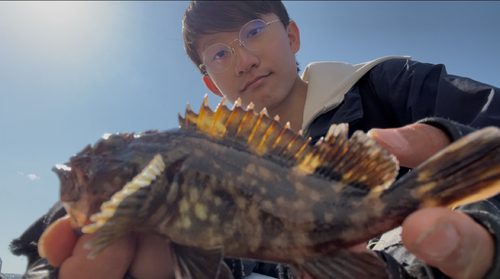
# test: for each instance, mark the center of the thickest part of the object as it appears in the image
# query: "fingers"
(411, 144)
(146, 256)
(446, 239)
(57, 242)
(111, 263)
(63, 249)
(450, 241)
(152, 259)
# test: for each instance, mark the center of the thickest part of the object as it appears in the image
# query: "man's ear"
(209, 83)
(293, 36)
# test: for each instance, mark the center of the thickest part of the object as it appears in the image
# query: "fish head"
(93, 175)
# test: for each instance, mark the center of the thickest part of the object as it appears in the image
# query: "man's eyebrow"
(217, 38)
(213, 40)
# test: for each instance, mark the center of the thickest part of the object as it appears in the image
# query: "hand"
(446, 239)
(145, 256)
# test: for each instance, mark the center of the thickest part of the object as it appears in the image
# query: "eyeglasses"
(253, 36)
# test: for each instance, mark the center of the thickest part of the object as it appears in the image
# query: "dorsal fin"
(261, 133)
(356, 160)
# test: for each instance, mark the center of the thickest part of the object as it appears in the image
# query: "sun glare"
(59, 32)
(51, 22)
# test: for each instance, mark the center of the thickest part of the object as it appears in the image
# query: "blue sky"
(72, 71)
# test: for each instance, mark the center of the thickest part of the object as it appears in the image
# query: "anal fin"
(344, 264)
(196, 263)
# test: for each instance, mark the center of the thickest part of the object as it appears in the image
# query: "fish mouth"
(69, 190)
(78, 216)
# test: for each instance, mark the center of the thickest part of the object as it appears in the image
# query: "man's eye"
(254, 32)
(220, 54)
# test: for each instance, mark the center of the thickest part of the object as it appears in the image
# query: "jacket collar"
(328, 82)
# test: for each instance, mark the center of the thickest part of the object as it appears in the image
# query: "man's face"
(264, 77)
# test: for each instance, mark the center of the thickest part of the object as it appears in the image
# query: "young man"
(246, 50)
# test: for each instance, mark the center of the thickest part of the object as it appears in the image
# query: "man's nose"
(245, 60)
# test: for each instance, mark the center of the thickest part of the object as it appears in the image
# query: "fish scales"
(235, 183)
(296, 204)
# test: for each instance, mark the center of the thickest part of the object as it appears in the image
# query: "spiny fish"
(237, 184)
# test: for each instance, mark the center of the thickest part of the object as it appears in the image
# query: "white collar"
(328, 82)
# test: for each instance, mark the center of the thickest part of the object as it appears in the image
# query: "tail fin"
(466, 171)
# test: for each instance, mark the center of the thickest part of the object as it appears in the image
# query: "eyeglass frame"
(240, 44)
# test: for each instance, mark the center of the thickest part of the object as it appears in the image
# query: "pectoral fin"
(345, 264)
(128, 207)
(196, 263)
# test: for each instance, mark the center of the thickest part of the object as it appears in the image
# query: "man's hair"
(209, 17)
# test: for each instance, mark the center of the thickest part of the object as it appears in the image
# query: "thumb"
(449, 240)
(411, 144)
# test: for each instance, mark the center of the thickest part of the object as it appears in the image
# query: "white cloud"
(30, 176)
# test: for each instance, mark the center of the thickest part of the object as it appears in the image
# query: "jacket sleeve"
(418, 92)
(411, 91)
(27, 245)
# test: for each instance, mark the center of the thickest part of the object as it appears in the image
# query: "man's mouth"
(255, 82)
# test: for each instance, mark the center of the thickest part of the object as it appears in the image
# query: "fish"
(235, 183)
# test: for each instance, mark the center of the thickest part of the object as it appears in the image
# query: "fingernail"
(389, 137)
(437, 243)
(41, 249)
(41, 241)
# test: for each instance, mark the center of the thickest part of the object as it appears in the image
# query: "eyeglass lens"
(253, 36)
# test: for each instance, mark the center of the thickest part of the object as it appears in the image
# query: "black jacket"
(393, 94)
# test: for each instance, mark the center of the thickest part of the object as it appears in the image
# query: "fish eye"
(109, 144)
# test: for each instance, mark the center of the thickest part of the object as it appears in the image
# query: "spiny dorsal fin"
(355, 160)
(261, 133)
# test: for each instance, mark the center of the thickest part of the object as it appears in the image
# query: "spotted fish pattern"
(236, 183)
